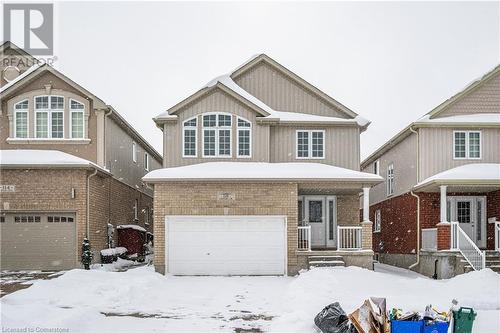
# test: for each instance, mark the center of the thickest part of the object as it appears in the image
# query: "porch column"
(366, 204)
(442, 203)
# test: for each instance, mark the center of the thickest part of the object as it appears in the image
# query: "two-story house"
(438, 210)
(71, 168)
(260, 177)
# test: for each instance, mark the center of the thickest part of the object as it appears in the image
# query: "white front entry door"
(321, 214)
(470, 213)
(225, 245)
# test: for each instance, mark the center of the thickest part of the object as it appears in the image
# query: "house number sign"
(225, 196)
(7, 188)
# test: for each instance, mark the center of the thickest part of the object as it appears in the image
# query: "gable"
(483, 96)
(14, 62)
(283, 92)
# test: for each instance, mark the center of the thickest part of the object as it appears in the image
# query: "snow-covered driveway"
(141, 300)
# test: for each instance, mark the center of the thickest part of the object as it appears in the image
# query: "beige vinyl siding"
(404, 158)
(216, 101)
(436, 146)
(283, 94)
(484, 99)
(341, 145)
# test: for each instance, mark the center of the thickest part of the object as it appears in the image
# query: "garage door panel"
(223, 245)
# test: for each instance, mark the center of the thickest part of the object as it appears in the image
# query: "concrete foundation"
(398, 260)
(441, 265)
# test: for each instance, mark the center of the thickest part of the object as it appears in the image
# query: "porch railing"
(429, 239)
(497, 236)
(349, 238)
(461, 241)
(304, 233)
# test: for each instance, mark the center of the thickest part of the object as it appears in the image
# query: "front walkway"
(141, 300)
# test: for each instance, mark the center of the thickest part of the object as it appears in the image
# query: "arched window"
(189, 138)
(244, 138)
(217, 135)
(21, 119)
(49, 117)
(77, 119)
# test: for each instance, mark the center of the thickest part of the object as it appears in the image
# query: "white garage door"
(226, 245)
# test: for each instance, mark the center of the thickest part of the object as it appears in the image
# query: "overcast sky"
(389, 62)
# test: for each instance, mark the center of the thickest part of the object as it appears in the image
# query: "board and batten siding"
(216, 101)
(404, 158)
(436, 149)
(282, 93)
(341, 145)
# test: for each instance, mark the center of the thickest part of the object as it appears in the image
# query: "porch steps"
(326, 261)
(492, 262)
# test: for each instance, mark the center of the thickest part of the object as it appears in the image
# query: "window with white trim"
(376, 167)
(134, 152)
(244, 138)
(310, 144)
(390, 179)
(49, 117)
(77, 119)
(217, 135)
(377, 226)
(146, 161)
(467, 144)
(190, 138)
(21, 119)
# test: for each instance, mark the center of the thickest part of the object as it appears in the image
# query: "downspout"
(88, 202)
(418, 200)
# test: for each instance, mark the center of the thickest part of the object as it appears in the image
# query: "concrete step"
(495, 268)
(495, 262)
(325, 258)
(336, 263)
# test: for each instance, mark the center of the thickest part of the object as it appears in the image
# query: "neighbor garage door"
(226, 245)
(38, 241)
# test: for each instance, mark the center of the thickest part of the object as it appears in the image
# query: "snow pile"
(131, 226)
(114, 251)
(261, 170)
(475, 172)
(141, 300)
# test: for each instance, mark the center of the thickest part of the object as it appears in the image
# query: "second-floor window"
(134, 152)
(146, 161)
(244, 138)
(49, 117)
(467, 144)
(376, 167)
(377, 226)
(190, 138)
(77, 120)
(390, 179)
(21, 119)
(310, 144)
(217, 135)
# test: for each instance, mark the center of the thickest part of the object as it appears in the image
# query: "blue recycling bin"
(407, 326)
(437, 327)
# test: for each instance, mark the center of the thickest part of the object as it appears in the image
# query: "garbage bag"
(333, 319)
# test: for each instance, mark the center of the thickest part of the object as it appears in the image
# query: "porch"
(469, 214)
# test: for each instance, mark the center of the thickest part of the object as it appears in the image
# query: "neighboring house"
(71, 167)
(442, 186)
(261, 177)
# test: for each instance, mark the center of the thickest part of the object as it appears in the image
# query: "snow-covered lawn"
(141, 300)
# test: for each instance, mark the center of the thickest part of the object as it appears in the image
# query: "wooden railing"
(429, 239)
(461, 241)
(349, 238)
(304, 238)
(497, 236)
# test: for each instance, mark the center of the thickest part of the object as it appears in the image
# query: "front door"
(463, 211)
(469, 212)
(315, 215)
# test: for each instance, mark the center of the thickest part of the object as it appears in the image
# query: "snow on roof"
(131, 226)
(43, 158)
(260, 171)
(486, 118)
(20, 77)
(475, 173)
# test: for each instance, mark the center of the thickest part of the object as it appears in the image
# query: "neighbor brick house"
(260, 177)
(71, 167)
(438, 209)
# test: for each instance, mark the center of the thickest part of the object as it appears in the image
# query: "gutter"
(418, 200)
(87, 231)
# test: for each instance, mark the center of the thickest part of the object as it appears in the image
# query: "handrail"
(349, 238)
(461, 241)
(304, 237)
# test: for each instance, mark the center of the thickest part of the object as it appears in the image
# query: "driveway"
(11, 281)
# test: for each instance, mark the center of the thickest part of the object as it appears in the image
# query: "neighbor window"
(49, 117)
(376, 167)
(390, 179)
(244, 138)
(190, 137)
(217, 135)
(21, 119)
(467, 144)
(77, 120)
(136, 210)
(146, 161)
(310, 144)
(134, 152)
(378, 222)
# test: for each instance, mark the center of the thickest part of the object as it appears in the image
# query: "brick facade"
(201, 199)
(49, 190)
